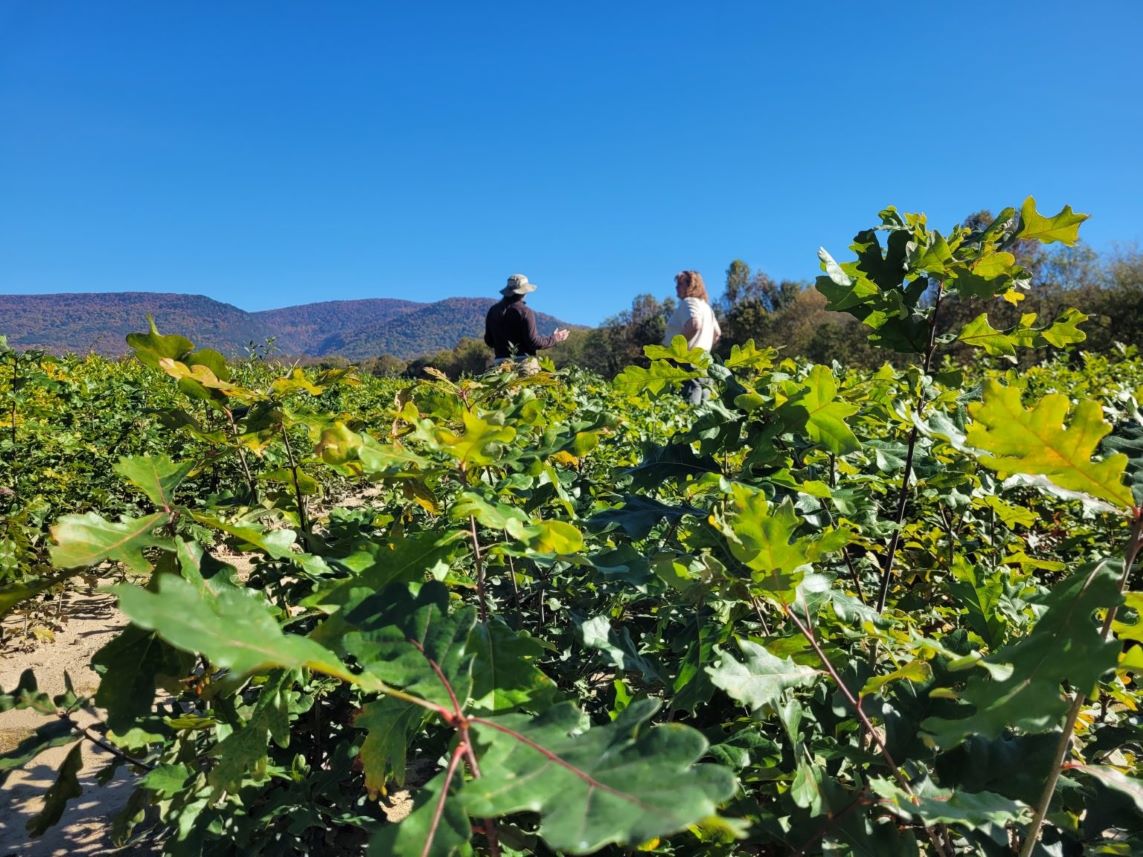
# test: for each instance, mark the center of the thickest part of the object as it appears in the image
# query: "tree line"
(790, 315)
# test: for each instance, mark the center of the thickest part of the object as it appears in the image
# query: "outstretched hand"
(560, 334)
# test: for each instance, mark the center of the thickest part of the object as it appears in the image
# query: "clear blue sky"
(275, 153)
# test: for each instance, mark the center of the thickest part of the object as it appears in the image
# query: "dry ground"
(65, 642)
(86, 623)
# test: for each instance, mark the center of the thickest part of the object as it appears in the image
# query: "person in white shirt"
(695, 321)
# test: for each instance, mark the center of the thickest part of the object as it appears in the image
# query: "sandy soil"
(52, 645)
(86, 623)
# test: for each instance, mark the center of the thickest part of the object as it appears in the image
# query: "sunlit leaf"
(1038, 443)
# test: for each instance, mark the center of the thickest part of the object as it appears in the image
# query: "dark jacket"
(510, 329)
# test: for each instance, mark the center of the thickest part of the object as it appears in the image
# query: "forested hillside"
(356, 330)
(99, 322)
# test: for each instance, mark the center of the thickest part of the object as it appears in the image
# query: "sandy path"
(89, 622)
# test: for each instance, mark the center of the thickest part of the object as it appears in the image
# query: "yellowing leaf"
(916, 671)
(1063, 227)
(565, 458)
(1036, 442)
(480, 443)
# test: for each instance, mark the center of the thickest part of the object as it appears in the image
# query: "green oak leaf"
(420, 834)
(389, 725)
(62, 790)
(382, 459)
(762, 679)
(1128, 439)
(374, 565)
(295, 381)
(1036, 442)
(932, 805)
(917, 671)
(1062, 227)
(54, 733)
(979, 333)
(679, 352)
(155, 475)
(166, 781)
(85, 540)
(816, 408)
(635, 380)
(1116, 780)
(619, 783)
(481, 443)
(274, 543)
(748, 355)
(233, 628)
(1064, 646)
(151, 347)
(639, 515)
(546, 537)
(1064, 330)
(416, 644)
(987, 278)
(671, 461)
(245, 747)
(763, 537)
(618, 646)
(130, 667)
(504, 673)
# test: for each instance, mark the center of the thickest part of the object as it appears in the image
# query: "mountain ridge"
(99, 322)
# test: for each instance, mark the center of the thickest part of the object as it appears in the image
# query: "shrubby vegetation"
(830, 610)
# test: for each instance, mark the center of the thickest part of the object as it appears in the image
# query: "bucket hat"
(518, 285)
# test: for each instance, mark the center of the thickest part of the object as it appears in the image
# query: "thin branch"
(482, 598)
(845, 552)
(457, 712)
(903, 494)
(303, 520)
(436, 822)
(101, 743)
(241, 454)
(832, 819)
(855, 702)
(758, 612)
(1134, 543)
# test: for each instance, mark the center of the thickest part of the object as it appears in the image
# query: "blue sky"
(276, 153)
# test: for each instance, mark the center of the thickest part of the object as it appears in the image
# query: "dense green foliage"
(828, 610)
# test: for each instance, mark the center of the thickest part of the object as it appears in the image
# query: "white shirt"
(694, 319)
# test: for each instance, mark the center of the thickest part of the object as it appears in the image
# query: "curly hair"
(692, 285)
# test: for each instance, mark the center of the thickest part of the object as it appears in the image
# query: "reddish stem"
(552, 757)
(436, 822)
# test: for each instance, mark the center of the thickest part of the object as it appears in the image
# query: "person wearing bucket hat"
(510, 326)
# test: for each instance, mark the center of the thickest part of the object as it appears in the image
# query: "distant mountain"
(317, 328)
(99, 322)
(423, 329)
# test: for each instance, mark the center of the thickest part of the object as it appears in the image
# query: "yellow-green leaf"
(1036, 442)
(1062, 227)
